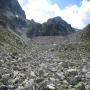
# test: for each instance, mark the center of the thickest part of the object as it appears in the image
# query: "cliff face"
(11, 7)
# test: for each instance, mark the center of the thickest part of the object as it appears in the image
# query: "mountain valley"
(48, 56)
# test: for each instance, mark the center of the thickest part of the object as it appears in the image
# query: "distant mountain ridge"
(53, 27)
(15, 18)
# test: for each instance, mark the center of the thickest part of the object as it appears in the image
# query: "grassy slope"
(76, 46)
(10, 42)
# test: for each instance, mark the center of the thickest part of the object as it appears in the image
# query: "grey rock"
(33, 74)
(87, 87)
(74, 80)
(65, 64)
(6, 76)
(88, 75)
(41, 73)
(84, 69)
(60, 75)
(71, 72)
(50, 87)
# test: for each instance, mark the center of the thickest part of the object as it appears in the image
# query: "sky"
(75, 12)
(63, 3)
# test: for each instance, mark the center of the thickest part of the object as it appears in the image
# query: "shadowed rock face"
(12, 6)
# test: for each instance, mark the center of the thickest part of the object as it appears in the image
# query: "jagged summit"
(56, 19)
(59, 20)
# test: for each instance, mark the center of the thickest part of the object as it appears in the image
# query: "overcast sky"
(75, 12)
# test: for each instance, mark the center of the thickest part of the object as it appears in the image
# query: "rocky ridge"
(53, 27)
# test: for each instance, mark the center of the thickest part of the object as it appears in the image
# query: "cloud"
(77, 16)
(41, 10)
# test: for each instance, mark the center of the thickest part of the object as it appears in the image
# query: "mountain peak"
(57, 18)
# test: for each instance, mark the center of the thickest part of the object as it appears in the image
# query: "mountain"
(53, 27)
(57, 26)
(12, 15)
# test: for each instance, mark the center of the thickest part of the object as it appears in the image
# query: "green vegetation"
(78, 47)
(67, 87)
(86, 33)
(39, 80)
(9, 41)
(80, 87)
(63, 87)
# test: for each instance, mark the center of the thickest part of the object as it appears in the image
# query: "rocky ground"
(44, 68)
